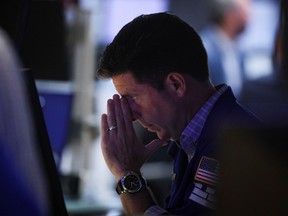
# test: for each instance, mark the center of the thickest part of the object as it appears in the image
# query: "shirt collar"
(190, 135)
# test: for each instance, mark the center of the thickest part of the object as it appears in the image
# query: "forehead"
(126, 84)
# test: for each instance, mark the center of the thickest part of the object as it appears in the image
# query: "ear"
(176, 82)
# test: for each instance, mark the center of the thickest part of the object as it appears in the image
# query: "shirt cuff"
(155, 210)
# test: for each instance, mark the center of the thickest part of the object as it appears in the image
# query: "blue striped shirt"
(190, 135)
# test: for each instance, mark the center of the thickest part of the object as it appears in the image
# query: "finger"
(118, 112)
(104, 125)
(111, 120)
(128, 120)
(155, 145)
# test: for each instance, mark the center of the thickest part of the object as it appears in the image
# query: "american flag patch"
(208, 171)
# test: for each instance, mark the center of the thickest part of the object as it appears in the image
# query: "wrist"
(120, 175)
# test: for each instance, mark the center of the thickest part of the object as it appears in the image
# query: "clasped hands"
(121, 148)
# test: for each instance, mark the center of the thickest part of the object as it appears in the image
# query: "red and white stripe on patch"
(208, 171)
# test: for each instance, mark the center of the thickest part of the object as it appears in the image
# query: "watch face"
(132, 183)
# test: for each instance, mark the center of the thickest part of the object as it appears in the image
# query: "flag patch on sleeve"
(208, 171)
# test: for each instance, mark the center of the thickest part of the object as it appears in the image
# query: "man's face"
(155, 110)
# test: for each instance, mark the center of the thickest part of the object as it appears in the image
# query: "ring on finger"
(112, 128)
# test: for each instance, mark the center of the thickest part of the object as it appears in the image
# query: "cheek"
(153, 111)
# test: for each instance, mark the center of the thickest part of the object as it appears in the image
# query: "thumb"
(155, 145)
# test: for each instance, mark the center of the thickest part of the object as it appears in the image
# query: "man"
(159, 67)
(229, 20)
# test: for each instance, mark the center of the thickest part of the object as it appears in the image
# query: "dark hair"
(151, 46)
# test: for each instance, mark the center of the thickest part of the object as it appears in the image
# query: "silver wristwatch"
(131, 182)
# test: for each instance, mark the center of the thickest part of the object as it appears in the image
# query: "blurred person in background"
(228, 21)
(268, 95)
(241, 192)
